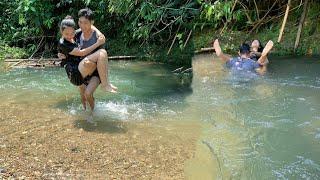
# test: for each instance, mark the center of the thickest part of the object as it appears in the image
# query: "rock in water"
(3, 170)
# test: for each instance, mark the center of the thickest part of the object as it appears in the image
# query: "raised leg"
(86, 67)
(263, 59)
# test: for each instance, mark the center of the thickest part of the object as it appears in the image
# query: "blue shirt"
(240, 64)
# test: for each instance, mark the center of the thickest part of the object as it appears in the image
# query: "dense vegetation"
(143, 27)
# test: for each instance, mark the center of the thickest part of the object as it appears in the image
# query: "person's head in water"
(67, 28)
(85, 19)
(244, 51)
(256, 45)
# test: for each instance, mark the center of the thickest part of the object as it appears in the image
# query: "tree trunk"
(284, 21)
(302, 19)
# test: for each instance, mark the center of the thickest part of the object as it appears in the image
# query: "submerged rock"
(3, 170)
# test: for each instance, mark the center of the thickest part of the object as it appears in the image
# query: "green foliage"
(153, 20)
(11, 52)
(156, 23)
(26, 18)
(150, 27)
(144, 23)
(218, 12)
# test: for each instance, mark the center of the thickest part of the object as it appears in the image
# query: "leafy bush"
(11, 52)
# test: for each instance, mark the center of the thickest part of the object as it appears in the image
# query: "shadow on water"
(102, 125)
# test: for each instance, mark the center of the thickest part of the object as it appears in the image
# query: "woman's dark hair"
(87, 13)
(67, 22)
(260, 48)
(244, 48)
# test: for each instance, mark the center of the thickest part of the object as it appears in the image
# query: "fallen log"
(121, 57)
(31, 60)
(48, 62)
(57, 59)
(203, 50)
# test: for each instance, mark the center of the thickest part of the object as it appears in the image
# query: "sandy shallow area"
(46, 143)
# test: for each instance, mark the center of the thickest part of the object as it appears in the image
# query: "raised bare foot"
(113, 87)
(217, 47)
(108, 88)
(267, 48)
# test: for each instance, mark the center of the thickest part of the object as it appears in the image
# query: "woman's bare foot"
(217, 47)
(90, 119)
(108, 88)
(113, 87)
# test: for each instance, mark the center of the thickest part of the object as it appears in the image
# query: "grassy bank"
(11, 52)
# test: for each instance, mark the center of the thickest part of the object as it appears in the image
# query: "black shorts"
(75, 76)
(87, 79)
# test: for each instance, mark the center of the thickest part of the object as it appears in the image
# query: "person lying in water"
(255, 54)
(256, 49)
(243, 62)
(86, 36)
(79, 70)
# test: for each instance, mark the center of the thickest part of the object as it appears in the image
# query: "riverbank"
(231, 39)
(65, 146)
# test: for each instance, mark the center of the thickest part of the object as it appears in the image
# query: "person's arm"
(61, 56)
(99, 33)
(86, 51)
(219, 52)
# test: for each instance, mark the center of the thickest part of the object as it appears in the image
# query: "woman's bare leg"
(103, 72)
(86, 67)
(265, 52)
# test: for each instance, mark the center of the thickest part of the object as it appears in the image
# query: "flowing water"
(251, 127)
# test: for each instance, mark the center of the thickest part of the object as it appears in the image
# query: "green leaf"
(33, 9)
